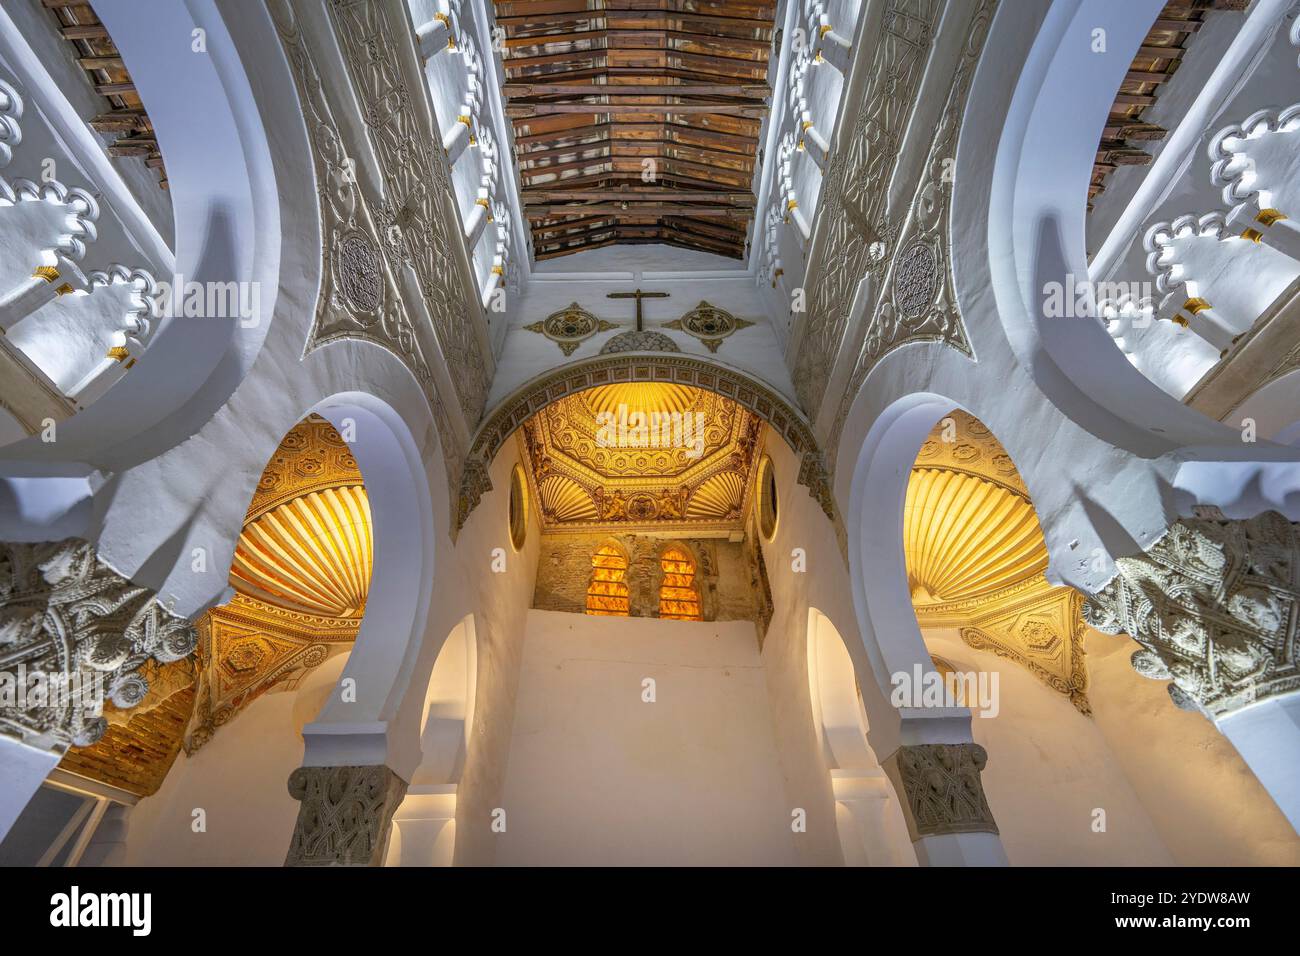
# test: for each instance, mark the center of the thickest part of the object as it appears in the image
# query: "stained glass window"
(607, 593)
(678, 598)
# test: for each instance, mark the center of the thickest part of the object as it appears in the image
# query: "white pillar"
(424, 827)
(1267, 735)
(45, 285)
(25, 769)
(435, 36)
(476, 222)
(835, 49)
(795, 213)
(1266, 226)
(1196, 314)
(456, 139)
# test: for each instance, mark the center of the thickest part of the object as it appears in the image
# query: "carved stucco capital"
(345, 815)
(941, 787)
(71, 624)
(1214, 604)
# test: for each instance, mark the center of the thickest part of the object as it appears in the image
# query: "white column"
(835, 49)
(794, 212)
(25, 769)
(476, 222)
(45, 285)
(1266, 226)
(1197, 315)
(435, 36)
(815, 145)
(1267, 735)
(456, 139)
(424, 827)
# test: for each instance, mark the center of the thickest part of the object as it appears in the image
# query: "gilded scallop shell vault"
(642, 455)
(976, 558)
(301, 573)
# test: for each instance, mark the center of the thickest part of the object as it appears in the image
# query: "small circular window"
(767, 498)
(518, 508)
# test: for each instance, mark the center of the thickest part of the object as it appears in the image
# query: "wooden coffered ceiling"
(596, 88)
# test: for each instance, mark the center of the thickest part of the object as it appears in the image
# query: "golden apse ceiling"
(642, 456)
(976, 558)
(301, 573)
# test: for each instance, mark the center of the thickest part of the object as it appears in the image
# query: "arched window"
(678, 599)
(607, 593)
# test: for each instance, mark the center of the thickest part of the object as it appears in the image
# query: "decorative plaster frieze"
(854, 195)
(915, 299)
(68, 617)
(345, 815)
(1215, 605)
(612, 369)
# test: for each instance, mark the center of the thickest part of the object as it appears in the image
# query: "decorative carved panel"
(1215, 604)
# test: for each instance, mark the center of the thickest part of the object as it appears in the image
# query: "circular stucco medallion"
(360, 273)
(917, 279)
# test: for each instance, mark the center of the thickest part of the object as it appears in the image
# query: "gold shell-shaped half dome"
(310, 554)
(965, 537)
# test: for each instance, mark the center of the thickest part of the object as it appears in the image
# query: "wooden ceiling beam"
(552, 210)
(540, 195)
(752, 90)
(528, 110)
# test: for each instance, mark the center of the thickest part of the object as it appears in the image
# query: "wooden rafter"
(637, 120)
(98, 56)
(1157, 59)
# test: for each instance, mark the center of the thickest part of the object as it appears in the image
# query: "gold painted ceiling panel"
(977, 560)
(642, 456)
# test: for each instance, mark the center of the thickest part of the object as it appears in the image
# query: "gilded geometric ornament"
(570, 327)
(709, 324)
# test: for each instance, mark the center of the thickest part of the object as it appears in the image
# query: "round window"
(767, 498)
(518, 508)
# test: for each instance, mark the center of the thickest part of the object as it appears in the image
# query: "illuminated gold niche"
(301, 574)
(607, 594)
(678, 598)
(641, 456)
(976, 558)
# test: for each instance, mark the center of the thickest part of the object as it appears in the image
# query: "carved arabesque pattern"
(345, 815)
(941, 783)
(1214, 604)
(68, 615)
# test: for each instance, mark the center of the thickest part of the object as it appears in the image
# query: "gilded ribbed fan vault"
(642, 457)
(976, 558)
(301, 573)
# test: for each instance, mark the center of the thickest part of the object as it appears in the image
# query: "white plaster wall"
(597, 776)
(240, 781)
(1049, 768)
(823, 585)
(1208, 806)
(527, 354)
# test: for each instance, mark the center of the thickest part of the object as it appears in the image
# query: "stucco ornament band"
(345, 815)
(679, 369)
(1214, 604)
(917, 298)
(69, 617)
(941, 784)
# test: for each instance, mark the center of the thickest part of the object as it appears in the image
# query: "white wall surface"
(597, 776)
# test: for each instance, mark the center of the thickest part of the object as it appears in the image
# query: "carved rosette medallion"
(942, 789)
(918, 279)
(709, 324)
(570, 327)
(72, 625)
(1214, 604)
(360, 273)
(345, 815)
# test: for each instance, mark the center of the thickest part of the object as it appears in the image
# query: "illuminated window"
(518, 509)
(678, 599)
(607, 593)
